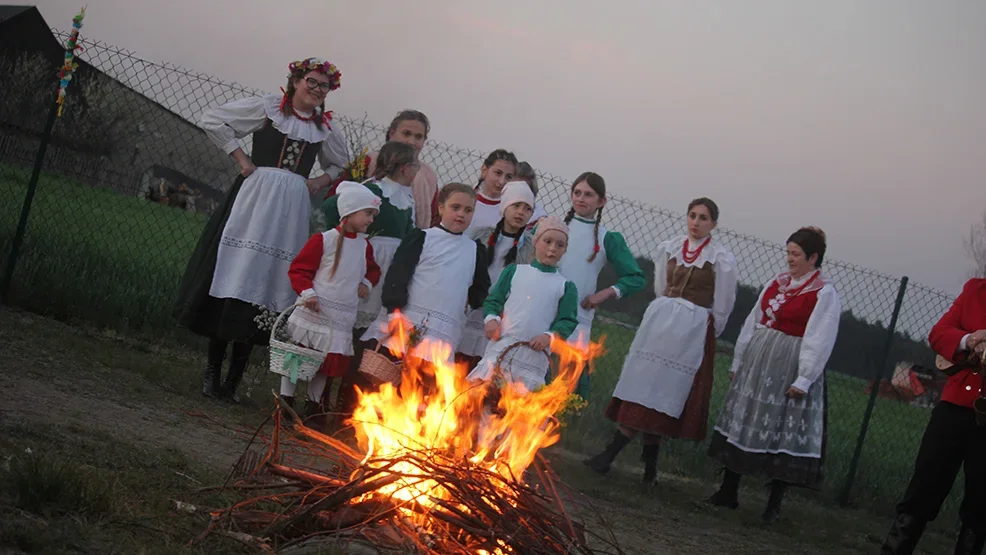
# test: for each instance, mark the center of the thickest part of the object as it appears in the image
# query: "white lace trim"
(399, 196)
(291, 126)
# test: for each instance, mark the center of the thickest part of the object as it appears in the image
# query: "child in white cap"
(333, 271)
(530, 303)
(505, 244)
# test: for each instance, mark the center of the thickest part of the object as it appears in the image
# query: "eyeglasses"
(315, 84)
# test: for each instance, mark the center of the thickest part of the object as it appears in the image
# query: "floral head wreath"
(317, 64)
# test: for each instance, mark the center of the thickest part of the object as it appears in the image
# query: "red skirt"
(334, 365)
(694, 420)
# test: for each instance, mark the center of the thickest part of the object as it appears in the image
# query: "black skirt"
(203, 314)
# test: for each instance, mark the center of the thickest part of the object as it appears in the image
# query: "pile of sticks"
(307, 490)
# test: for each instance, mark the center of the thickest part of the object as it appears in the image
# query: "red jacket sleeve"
(946, 335)
(305, 264)
(372, 269)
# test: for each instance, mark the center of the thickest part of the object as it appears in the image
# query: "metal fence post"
(32, 187)
(878, 377)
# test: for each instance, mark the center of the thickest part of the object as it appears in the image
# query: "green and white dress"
(529, 300)
(473, 342)
(577, 267)
(395, 220)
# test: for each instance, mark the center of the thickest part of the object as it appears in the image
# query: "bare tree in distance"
(975, 246)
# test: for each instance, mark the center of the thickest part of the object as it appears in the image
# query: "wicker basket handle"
(497, 371)
(277, 323)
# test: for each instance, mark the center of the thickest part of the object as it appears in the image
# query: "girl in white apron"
(331, 273)
(436, 273)
(530, 303)
(505, 245)
(590, 247)
(395, 170)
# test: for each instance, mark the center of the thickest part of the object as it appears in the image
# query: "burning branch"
(436, 472)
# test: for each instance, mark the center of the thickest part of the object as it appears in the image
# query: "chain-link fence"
(128, 180)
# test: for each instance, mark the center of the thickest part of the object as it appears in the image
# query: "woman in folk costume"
(590, 247)
(412, 127)
(393, 175)
(953, 438)
(241, 261)
(774, 419)
(436, 273)
(497, 170)
(331, 273)
(666, 382)
(505, 245)
(530, 302)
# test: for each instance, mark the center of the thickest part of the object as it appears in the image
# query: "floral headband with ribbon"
(320, 65)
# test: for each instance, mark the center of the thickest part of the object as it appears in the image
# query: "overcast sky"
(863, 117)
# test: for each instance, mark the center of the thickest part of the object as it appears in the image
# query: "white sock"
(287, 388)
(316, 387)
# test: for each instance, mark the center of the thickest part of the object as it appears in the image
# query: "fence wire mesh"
(128, 181)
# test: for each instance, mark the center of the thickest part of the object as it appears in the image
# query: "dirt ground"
(129, 415)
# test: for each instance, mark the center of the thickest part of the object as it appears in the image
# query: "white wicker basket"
(288, 359)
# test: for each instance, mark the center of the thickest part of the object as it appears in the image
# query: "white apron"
(665, 355)
(266, 228)
(531, 307)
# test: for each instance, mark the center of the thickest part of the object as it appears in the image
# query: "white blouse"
(818, 341)
(723, 263)
(225, 124)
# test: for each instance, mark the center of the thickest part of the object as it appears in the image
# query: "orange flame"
(436, 408)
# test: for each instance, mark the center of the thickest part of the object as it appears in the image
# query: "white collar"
(710, 253)
(294, 128)
(399, 196)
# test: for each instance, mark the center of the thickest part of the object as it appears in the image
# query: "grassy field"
(93, 254)
(888, 453)
(96, 256)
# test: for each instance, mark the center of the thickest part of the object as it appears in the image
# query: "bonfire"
(437, 468)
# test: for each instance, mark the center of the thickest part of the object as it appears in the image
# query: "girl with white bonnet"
(333, 271)
(505, 245)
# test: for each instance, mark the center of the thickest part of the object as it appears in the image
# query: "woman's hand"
(311, 303)
(317, 184)
(598, 298)
(246, 164)
(492, 330)
(362, 291)
(794, 393)
(541, 342)
(975, 340)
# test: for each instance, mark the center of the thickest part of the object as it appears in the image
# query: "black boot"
(728, 494)
(650, 452)
(904, 535)
(213, 368)
(314, 416)
(773, 510)
(600, 463)
(289, 401)
(237, 366)
(969, 542)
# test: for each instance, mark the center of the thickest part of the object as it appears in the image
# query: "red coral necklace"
(691, 256)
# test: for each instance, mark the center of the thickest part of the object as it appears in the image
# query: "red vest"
(966, 315)
(788, 314)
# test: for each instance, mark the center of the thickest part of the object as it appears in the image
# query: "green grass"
(92, 254)
(888, 454)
